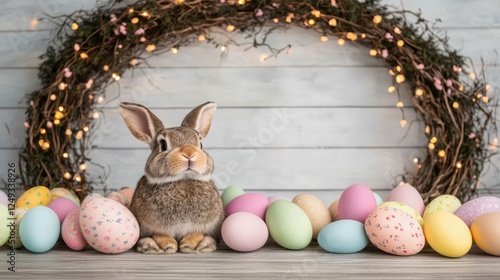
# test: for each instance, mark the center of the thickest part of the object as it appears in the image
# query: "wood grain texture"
(270, 262)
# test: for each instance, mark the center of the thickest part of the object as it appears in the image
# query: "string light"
(316, 13)
(145, 14)
(399, 104)
(115, 76)
(53, 97)
(352, 36)
(133, 61)
(377, 19)
(230, 28)
(400, 78)
(100, 99)
(95, 115)
(46, 145)
(182, 1)
(415, 160)
(427, 129)
(419, 92)
(391, 89)
(486, 99)
(65, 155)
(79, 135)
(398, 68)
(459, 165)
(240, 2)
(441, 153)
(86, 128)
(223, 48)
(34, 23)
(49, 124)
(131, 10)
(105, 68)
(288, 19)
(373, 52)
(363, 35)
(431, 146)
(26, 124)
(332, 22)
(67, 175)
(174, 50)
(40, 142)
(42, 131)
(76, 47)
(275, 20)
(201, 38)
(403, 123)
(74, 26)
(397, 30)
(400, 43)
(472, 75)
(84, 55)
(83, 166)
(61, 86)
(391, 72)
(77, 178)
(68, 132)
(143, 39)
(456, 105)
(58, 115)
(488, 88)
(134, 20)
(150, 48)
(324, 38)
(311, 21)
(57, 122)
(341, 42)
(433, 139)
(61, 108)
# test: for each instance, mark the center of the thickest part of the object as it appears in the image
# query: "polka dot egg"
(108, 226)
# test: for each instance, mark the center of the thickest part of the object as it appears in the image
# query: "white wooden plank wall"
(316, 120)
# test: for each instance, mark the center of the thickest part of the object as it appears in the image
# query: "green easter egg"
(4, 222)
(230, 193)
(289, 225)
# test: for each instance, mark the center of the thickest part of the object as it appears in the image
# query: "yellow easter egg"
(447, 234)
(401, 206)
(35, 196)
(445, 202)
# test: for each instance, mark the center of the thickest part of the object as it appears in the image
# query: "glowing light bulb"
(230, 28)
(397, 30)
(77, 178)
(486, 99)
(341, 42)
(288, 19)
(487, 88)
(373, 52)
(83, 166)
(67, 175)
(74, 26)
(441, 153)
(61, 108)
(415, 160)
(68, 132)
(61, 86)
(95, 115)
(377, 19)
(332, 22)
(26, 124)
(459, 165)
(40, 142)
(352, 36)
(419, 92)
(240, 2)
(472, 75)
(79, 135)
(145, 14)
(65, 155)
(131, 10)
(324, 38)
(391, 89)
(34, 23)
(57, 121)
(46, 145)
(456, 105)
(399, 104)
(398, 68)
(174, 50)
(201, 38)
(400, 43)
(363, 35)
(150, 48)
(134, 20)
(42, 131)
(100, 99)
(400, 78)
(433, 139)
(105, 68)
(76, 47)
(311, 21)
(58, 115)
(275, 20)
(143, 39)
(86, 128)
(84, 55)
(403, 123)
(53, 97)
(133, 61)
(431, 146)
(316, 13)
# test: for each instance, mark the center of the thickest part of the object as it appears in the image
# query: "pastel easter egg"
(404, 207)
(445, 202)
(91, 196)
(39, 229)
(408, 195)
(230, 193)
(4, 229)
(128, 192)
(334, 210)
(316, 211)
(343, 237)
(73, 198)
(71, 231)
(18, 215)
(356, 202)
(62, 206)
(394, 231)
(36, 196)
(447, 234)
(476, 207)
(273, 198)
(4, 199)
(108, 226)
(244, 232)
(62, 192)
(119, 197)
(288, 225)
(254, 203)
(485, 232)
(378, 198)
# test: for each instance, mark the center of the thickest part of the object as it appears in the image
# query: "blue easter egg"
(343, 237)
(39, 229)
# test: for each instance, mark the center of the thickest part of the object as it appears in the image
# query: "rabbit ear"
(200, 118)
(143, 124)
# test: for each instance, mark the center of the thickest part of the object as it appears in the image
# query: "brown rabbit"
(176, 202)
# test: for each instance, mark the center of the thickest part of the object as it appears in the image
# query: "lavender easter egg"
(474, 208)
(408, 195)
(108, 226)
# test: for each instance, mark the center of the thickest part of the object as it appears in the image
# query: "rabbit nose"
(188, 151)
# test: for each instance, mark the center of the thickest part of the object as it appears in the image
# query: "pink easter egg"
(62, 206)
(355, 203)
(108, 226)
(128, 192)
(408, 195)
(244, 232)
(254, 203)
(71, 231)
(394, 231)
(474, 208)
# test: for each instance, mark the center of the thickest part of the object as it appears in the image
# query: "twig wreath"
(92, 49)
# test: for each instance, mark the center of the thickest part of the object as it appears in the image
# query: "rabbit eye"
(163, 145)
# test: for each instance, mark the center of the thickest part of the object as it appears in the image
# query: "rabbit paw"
(167, 243)
(197, 242)
(147, 245)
